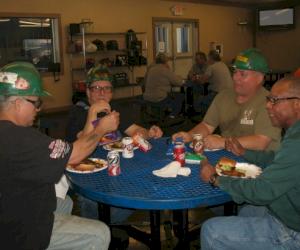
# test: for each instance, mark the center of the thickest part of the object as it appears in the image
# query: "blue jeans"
(89, 209)
(254, 229)
(174, 102)
(203, 102)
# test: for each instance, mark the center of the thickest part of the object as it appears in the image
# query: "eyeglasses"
(106, 89)
(274, 100)
(37, 104)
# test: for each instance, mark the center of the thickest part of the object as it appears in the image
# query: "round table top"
(136, 186)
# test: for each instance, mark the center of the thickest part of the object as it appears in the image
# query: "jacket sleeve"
(277, 179)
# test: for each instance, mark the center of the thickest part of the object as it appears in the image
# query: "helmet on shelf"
(251, 59)
(21, 79)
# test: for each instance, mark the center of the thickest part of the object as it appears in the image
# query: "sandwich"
(228, 167)
(88, 165)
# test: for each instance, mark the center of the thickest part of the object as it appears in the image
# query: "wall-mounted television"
(272, 19)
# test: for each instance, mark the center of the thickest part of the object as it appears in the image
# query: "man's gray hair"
(5, 101)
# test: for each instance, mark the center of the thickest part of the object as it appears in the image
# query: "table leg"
(104, 213)
(155, 229)
(181, 229)
(230, 208)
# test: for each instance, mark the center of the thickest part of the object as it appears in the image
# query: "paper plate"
(116, 146)
(251, 170)
(100, 165)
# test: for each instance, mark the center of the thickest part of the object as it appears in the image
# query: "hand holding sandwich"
(206, 171)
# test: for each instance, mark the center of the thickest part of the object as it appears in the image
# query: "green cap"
(251, 59)
(21, 79)
(98, 73)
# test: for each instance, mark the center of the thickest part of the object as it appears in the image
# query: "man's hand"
(100, 106)
(234, 146)
(108, 123)
(207, 170)
(214, 142)
(184, 135)
(155, 132)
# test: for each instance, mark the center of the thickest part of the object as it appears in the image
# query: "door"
(179, 39)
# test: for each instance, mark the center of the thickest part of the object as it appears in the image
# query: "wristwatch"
(213, 178)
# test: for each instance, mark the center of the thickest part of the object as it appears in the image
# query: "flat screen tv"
(272, 19)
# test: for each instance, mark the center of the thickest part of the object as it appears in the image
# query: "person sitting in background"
(239, 112)
(217, 75)
(159, 80)
(198, 68)
(99, 93)
(196, 89)
(31, 163)
(271, 217)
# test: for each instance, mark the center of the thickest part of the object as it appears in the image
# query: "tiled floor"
(168, 240)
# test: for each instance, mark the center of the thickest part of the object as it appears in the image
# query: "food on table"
(228, 167)
(89, 164)
(116, 145)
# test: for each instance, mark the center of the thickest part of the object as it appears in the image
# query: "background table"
(138, 188)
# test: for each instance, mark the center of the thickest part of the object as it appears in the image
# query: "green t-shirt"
(249, 118)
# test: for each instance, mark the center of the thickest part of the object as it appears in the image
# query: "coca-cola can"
(127, 147)
(198, 143)
(113, 159)
(142, 143)
(179, 152)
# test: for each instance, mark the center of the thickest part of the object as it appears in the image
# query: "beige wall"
(217, 24)
(282, 46)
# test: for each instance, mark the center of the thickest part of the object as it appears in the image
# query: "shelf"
(101, 51)
(107, 34)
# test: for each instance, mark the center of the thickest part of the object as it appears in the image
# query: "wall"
(216, 23)
(281, 46)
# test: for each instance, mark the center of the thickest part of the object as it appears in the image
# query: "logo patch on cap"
(242, 59)
(13, 79)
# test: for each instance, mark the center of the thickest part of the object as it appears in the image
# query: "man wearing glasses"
(99, 94)
(31, 163)
(271, 218)
(239, 111)
(100, 90)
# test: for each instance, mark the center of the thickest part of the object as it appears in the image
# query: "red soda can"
(142, 143)
(113, 159)
(179, 152)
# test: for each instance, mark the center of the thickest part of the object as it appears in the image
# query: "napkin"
(171, 170)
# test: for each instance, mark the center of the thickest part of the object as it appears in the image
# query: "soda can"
(198, 143)
(127, 147)
(113, 159)
(142, 143)
(179, 153)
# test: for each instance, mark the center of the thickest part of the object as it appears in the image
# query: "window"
(34, 38)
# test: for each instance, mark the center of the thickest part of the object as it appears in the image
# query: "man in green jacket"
(271, 218)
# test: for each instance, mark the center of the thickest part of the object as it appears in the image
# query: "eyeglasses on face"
(106, 89)
(274, 100)
(37, 104)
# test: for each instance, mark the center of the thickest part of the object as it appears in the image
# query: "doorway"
(178, 38)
